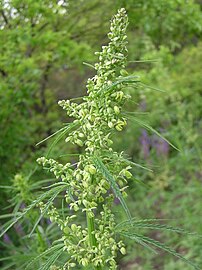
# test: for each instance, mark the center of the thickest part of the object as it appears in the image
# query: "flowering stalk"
(99, 168)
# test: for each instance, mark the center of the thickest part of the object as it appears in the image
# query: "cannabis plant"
(99, 175)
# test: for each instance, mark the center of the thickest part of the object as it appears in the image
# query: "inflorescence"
(96, 119)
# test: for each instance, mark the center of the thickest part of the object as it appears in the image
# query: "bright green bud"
(76, 208)
(110, 124)
(91, 169)
(52, 219)
(72, 264)
(81, 135)
(84, 262)
(128, 174)
(66, 230)
(123, 72)
(74, 227)
(116, 109)
(119, 127)
(79, 142)
(85, 203)
(123, 251)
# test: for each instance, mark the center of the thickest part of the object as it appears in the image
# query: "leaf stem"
(91, 230)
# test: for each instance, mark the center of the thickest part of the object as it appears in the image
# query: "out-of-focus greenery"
(43, 45)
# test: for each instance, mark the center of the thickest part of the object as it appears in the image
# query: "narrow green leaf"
(51, 260)
(141, 224)
(126, 80)
(47, 138)
(7, 187)
(104, 171)
(161, 246)
(67, 129)
(136, 164)
(89, 65)
(148, 127)
(125, 222)
(144, 61)
(46, 252)
(9, 224)
(153, 88)
(52, 198)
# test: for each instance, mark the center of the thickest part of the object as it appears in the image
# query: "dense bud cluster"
(95, 119)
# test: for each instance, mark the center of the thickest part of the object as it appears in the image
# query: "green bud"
(79, 142)
(116, 109)
(76, 208)
(74, 227)
(84, 262)
(85, 203)
(128, 174)
(123, 72)
(119, 127)
(91, 169)
(81, 135)
(123, 251)
(66, 230)
(91, 214)
(52, 219)
(78, 177)
(72, 264)
(110, 124)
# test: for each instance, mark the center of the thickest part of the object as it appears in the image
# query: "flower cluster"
(95, 119)
(101, 109)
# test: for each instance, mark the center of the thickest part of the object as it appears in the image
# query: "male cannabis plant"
(98, 168)
(99, 175)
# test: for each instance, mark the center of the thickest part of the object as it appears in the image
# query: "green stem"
(91, 230)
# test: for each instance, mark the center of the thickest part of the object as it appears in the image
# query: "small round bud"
(116, 109)
(92, 169)
(110, 124)
(123, 251)
(74, 227)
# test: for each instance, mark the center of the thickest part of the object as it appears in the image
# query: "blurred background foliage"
(43, 45)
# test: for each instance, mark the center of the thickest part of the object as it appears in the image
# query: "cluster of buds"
(96, 118)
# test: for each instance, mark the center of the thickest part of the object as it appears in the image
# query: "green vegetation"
(46, 55)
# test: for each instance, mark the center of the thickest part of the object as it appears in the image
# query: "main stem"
(91, 234)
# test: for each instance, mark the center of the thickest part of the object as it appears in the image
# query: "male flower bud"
(123, 251)
(74, 227)
(90, 214)
(52, 219)
(123, 72)
(116, 109)
(79, 142)
(119, 127)
(78, 177)
(126, 173)
(81, 135)
(91, 169)
(85, 203)
(72, 264)
(66, 230)
(110, 124)
(84, 261)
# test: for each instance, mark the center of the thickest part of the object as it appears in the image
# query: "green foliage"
(43, 46)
